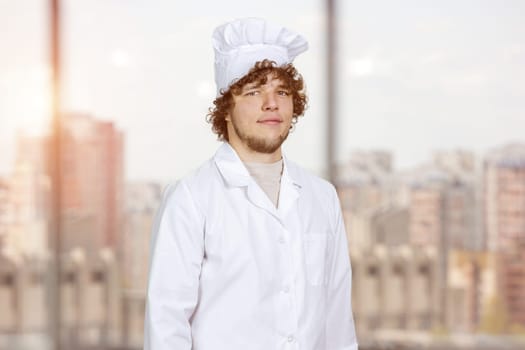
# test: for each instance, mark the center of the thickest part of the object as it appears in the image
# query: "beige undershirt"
(268, 177)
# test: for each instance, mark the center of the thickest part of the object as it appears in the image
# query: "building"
(446, 201)
(471, 289)
(4, 213)
(389, 226)
(27, 199)
(142, 201)
(505, 225)
(442, 213)
(92, 188)
(505, 197)
(365, 184)
(92, 183)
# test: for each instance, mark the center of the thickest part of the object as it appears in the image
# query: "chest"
(244, 234)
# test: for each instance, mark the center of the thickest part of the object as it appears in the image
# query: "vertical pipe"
(331, 90)
(443, 258)
(55, 309)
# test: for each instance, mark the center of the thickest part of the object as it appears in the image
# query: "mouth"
(270, 121)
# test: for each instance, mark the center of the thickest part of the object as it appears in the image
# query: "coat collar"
(235, 174)
(231, 167)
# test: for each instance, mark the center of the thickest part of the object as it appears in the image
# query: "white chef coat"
(230, 271)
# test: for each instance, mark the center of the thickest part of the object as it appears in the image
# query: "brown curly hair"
(287, 73)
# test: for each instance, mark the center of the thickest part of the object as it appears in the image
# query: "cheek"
(288, 107)
(246, 109)
(288, 102)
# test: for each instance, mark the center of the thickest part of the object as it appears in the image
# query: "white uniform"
(229, 271)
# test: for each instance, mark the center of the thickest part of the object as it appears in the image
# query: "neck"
(250, 156)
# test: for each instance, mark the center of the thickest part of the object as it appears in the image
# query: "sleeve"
(340, 328)
(177, 249)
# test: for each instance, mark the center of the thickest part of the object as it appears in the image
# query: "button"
(281, 240)
(290, 339)
(286, 289)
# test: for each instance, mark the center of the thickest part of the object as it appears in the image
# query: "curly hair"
(258, 74)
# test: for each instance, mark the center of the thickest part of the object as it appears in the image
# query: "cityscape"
(428, 160)
(437, 251)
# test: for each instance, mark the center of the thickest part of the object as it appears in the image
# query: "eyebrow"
(251, 86)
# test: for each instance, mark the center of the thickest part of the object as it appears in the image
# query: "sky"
(413, 76)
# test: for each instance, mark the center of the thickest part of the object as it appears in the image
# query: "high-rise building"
(471, 290)
(505, 224)
(465, 229)
(442, 214)
(92, 183)
(4, 212)
(365, 185)
(26, 194)
(444, 202)
(142, 201)
(389, 226)
(91, 179)
(426, 216)
(460, 163)
(29, 201)
(505, 197)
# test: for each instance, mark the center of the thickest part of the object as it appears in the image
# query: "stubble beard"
(261, 145)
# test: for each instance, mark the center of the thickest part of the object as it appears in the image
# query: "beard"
(261, 145)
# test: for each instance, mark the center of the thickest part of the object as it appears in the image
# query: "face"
(261, 117)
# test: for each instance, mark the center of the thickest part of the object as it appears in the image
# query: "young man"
(249, 252)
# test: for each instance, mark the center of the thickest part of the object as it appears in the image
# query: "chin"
(265, 145)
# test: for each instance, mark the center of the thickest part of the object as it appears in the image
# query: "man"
(249, 252)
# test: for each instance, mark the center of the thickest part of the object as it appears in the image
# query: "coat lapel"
(235, 174)
(290, 190)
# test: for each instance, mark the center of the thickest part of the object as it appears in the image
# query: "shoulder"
(201, 178)
(309, 182)
(318, 196)
(193, 187)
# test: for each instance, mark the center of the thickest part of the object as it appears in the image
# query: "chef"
(249, 252)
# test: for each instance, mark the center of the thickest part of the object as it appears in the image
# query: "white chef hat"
(239, 44)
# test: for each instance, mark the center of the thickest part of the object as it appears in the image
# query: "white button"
(281, 239)
(286, 289)
(290, 339)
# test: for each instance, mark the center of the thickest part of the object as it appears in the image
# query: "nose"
(269, 102)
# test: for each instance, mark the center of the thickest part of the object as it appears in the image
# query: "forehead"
(271, 80)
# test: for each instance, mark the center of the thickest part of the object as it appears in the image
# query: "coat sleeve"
(340, 328)
(177, 249)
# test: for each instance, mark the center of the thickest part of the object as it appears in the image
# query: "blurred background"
(416, 114)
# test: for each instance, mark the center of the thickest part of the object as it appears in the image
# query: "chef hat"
(239, 44)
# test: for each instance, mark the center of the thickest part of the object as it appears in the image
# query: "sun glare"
(27, 104)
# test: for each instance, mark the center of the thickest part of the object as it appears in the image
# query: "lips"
(270, 121)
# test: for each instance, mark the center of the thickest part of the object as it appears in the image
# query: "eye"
(283, 93)
(251, 93)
